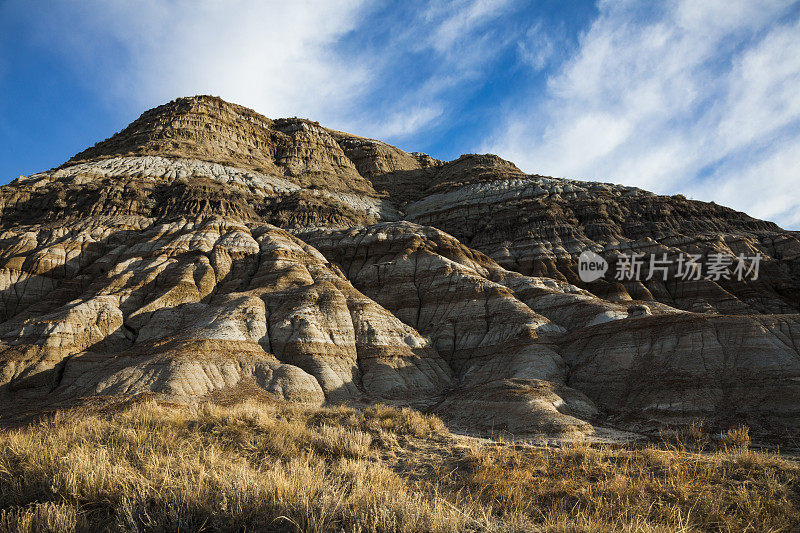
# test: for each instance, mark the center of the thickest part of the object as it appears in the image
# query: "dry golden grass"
(264, 466)
(653, 487)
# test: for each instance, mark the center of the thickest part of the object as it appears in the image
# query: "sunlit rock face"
(208, 251)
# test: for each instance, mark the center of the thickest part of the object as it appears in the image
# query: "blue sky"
(684, 96)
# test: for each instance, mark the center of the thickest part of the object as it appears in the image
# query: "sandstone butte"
(207, 251)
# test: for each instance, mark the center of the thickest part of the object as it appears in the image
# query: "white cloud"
(280, 58)
(459, 19)
(658, 94)
(765, 187)
(408, 121)
(764, 87)
(452, 43)
(272, 55)
(538, 46)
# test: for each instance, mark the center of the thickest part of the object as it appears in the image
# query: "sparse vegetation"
(737, 439)
(268, 466)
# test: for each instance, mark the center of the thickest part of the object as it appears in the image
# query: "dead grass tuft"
(737, 439)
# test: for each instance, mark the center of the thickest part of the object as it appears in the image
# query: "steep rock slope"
(539, 226)
(206, 250)
(210, 129)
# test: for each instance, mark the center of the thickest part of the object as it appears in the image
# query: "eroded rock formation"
(206, 250)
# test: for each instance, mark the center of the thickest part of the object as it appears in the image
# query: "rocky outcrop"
(210, 129)
(688, 366)
(208, 250)
(539, 226)
(186, 308)
(155, 187)
(498, 348)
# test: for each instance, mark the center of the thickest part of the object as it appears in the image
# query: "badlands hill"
(207, 251)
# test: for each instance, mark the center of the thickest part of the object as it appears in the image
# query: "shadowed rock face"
(207, 250)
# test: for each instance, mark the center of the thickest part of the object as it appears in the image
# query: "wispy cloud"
(539, 46)
(424, 71)
(282, 58)
(674, 97)
(408, 121)
(272, 55)
(455, 21)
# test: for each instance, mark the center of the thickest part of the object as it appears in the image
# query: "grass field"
(267, 466)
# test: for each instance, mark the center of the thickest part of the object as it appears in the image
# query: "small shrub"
(402, 421)
(691, 437)
(737, 439)
(340, 441)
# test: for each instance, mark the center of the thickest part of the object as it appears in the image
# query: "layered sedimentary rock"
(186, 307)
(678, 367)
(500, 350)
(208, 250)
(539, 226)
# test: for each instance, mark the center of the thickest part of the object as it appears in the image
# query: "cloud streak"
(281, 58)
(275, 56)
(674, 97)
